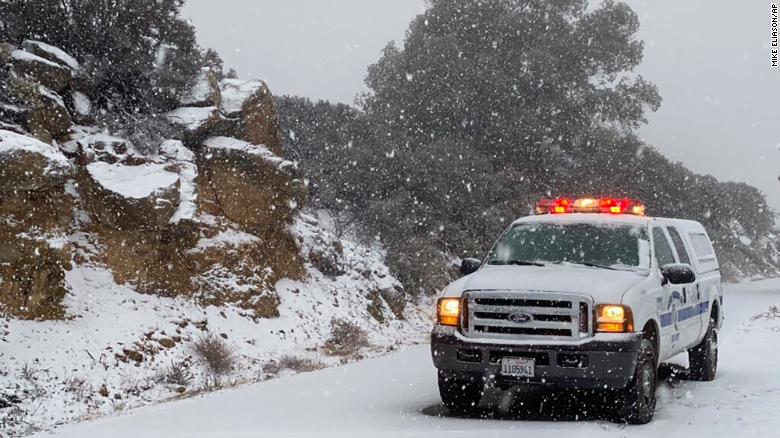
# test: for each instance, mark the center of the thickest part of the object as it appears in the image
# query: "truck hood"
(603, 285)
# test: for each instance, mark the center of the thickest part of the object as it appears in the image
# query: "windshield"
(613, 246)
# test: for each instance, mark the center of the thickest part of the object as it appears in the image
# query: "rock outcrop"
(260, 121)
(204, 216)
(229, 166)
(36, 209)
(49, 118)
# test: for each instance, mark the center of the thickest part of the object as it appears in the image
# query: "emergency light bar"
(590, 205)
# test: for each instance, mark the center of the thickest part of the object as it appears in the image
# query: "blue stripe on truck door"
(685, 313)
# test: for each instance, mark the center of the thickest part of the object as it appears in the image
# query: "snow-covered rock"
(81, 103)
(49, 118)
(235, 92)
(48, 73)
(14, 114)
(260, 151)
(11, 143)
(248, 184)
(51, 53)
(136, 182)
(193, 117)
(259, 119)
(29, 164)
(130, 196)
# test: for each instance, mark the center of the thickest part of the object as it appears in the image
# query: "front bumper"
(595, 363)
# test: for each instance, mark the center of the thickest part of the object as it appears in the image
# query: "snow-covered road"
(396, 395)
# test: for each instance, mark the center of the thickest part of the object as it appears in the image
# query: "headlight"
(614, 318)
(448, 311)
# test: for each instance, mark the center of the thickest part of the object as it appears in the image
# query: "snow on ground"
(136, 182)
(396, 395)
(57, 372)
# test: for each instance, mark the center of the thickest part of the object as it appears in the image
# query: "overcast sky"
(709, 58)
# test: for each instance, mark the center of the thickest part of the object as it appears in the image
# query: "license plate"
(518, 367)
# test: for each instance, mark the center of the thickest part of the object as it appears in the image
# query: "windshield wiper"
(596, 265)
(516, 262)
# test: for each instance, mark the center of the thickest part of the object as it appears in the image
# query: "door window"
(682, 253)
(663, 252)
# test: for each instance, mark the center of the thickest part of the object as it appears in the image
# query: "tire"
(703, 358)
(459, 395)
(636, 402)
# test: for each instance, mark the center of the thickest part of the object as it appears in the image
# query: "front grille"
(522, 330)
(526, 315)
(537, 317)
(522, 302)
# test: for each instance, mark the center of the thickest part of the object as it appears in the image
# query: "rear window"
(702, 246)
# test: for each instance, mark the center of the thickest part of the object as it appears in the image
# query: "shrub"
(218, 356)
(345, 337)
(177, 373)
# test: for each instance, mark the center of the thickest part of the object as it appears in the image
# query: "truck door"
(670, 299)
(689, 316)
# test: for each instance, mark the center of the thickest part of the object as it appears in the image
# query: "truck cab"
(588, 293)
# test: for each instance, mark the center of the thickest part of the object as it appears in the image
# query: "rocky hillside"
(118, 256)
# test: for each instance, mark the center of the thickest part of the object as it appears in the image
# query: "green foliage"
(140, 54)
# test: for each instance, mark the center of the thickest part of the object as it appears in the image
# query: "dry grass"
(295, 363)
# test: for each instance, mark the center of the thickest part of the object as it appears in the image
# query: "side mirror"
(469, 266)
(677, 273)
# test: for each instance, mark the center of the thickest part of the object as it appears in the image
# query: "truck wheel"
(459, 395)
(703, 358)
(636, 402)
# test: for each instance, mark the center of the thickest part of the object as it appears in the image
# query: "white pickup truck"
(589, 293)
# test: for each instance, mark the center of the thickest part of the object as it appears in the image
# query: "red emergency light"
(590, 205)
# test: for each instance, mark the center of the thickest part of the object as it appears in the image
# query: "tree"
(140, 54)
(524, 80)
